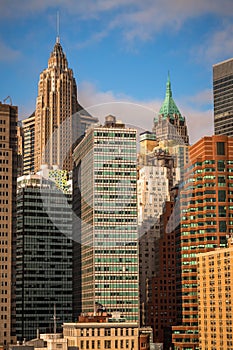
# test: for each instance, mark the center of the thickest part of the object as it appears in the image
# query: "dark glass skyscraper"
(44, 255)
(223, 97)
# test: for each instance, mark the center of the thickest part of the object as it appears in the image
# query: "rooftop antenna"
(55, 318)
(58, 28)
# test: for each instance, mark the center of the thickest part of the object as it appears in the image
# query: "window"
(107, 332)
(222, 211)
(107, 344)
(221, 165)
(221, 195)
(220, 148)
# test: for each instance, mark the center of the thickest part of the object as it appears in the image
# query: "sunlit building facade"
(223, 97)
(8, 181)
(206, 220)
(215, 286)
(105, 199)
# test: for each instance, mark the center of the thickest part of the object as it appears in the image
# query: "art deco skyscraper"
(8, 180)
(223, 97)
(56, 103)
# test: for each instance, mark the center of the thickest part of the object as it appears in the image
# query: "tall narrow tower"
(56, 103)
(170, 124)
(8, 180)
(106, 201)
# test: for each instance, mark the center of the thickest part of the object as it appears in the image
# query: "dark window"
(221, 195)
(222, 226)
(220, 148)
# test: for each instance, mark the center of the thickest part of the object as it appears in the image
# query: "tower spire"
(168, 89)
(58, 28)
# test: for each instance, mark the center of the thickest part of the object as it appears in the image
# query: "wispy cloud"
(201, 99)
(7, 53)
(136, 18)
(142, 113)
(216, 45)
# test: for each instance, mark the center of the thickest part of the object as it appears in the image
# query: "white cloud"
(141, 113)
(136, 18)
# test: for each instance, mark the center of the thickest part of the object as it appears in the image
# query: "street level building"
(102, 331)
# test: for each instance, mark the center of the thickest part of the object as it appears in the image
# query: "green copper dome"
(169, 107)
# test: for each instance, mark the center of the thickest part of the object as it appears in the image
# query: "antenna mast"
(58, 28)
(55, 318)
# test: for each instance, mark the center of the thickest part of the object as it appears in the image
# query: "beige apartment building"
(215, 295)
(102, 335)
(8, 180)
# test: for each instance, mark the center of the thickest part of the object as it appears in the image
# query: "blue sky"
(120, 52)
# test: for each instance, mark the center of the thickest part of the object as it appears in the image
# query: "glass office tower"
(223, 97)
(106, 201)
(44, 256)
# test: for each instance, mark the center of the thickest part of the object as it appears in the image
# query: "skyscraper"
(206, 220)
(28, 125)
(223, 97)
(215, 277)
(44, 254)
(56, 103)
(105, 199)
(170, 124)
(8, 181)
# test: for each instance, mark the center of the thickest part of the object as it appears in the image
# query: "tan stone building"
(8, 180)
(215, 295)
(102, 335)
(55, 105)
(93, 332)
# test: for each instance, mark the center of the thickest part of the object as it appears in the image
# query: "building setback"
(215, 286)
(223, 97)
(105, 199)
(44, 255)
(206, 220)
(8, 181)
